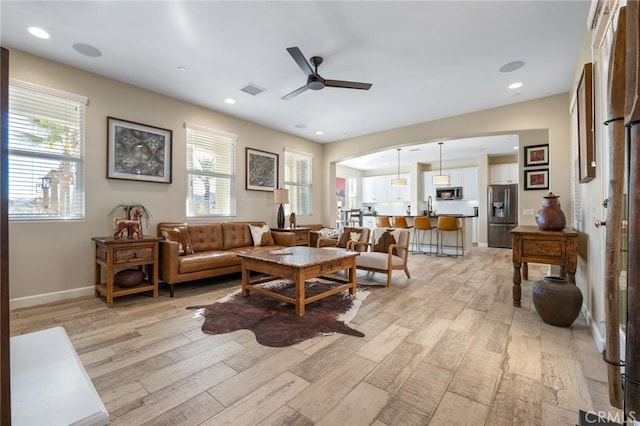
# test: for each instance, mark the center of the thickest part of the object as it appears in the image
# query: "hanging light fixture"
(440, 179)
(399, 181)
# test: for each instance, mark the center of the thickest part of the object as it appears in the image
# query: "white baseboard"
(595, 331)
(483, 244)
(41, 299)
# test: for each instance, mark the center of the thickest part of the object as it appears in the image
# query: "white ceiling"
(426, 60)
(452, 150)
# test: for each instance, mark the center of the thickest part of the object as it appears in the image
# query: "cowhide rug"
(275, 323)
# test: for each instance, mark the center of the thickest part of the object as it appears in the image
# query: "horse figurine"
(133, 225)
(292, 220)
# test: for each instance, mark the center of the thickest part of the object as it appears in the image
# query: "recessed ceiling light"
(319, 132)
(87, 50)
(515, 85)
(511, 66)
(183, 69)
(516, 147)
(230, 101)
(38, 32)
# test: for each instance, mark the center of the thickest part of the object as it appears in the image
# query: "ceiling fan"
(314, 81)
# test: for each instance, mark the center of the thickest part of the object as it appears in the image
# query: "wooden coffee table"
(302, 264)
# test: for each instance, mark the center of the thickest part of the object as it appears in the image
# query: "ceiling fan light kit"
(314, 80)
(440, 179)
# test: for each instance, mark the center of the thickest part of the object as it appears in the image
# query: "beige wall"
(57, 257)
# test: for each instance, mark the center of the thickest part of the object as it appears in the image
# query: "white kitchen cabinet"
(378, 189)
(369, 222)
(504, 173)
(469, 185)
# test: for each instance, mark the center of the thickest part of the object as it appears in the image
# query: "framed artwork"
(586, 137)
(536, 155)
(536, 179)
(262, 170)
(138, 151)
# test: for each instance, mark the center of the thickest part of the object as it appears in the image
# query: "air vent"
(252, 89)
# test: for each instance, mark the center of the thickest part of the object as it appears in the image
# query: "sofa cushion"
(237, 234)
(180, 235)
(261, 235)
(206, 236)
(207, 260)
(328, 233)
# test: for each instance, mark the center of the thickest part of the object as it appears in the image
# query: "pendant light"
(440, 179)
(399, 181)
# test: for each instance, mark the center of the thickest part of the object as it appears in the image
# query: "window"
(211, 169)
(297, 179)
(46, 153)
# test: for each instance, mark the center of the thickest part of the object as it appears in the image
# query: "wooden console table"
(301, 233)
(122, 253)
(547, 247)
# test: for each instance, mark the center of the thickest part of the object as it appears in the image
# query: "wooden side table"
(547, 247)
(122, 253)
(302, 234)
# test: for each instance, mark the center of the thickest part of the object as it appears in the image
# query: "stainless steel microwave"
(449, 193)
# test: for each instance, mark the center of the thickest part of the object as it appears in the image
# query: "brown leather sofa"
(214, 247)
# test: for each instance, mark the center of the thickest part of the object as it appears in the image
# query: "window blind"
(297, 179)
(46, 153)
(211, 180)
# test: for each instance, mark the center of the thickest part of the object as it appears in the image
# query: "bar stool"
(422, 224)
(449, 224)
(400, 222)
(383, 222)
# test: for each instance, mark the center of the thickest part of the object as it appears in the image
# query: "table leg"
(352, 279)
(563, 272)
(525, 271)
(571, 277)
(300, 297)
(517, 290)
(98, 279)
(245, 280)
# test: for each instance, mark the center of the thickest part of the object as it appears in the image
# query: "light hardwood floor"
(445, 347)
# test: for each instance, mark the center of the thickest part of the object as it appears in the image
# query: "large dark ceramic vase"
(551, 217)
(557, 301)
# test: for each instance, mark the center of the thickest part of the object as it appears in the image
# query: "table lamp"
(281, 196)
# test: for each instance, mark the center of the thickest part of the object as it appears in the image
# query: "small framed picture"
(262, 170)
(536, 155)
(138, 151)
(536, 179)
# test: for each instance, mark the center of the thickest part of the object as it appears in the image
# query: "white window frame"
(203, 139)
(298, 188)
(35, 168)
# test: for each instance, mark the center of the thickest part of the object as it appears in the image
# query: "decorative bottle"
(551, 217)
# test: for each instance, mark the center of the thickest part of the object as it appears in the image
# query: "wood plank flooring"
(444, 347)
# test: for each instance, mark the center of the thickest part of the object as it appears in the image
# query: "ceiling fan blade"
(347, 84)
(297, 56)
(295, 93)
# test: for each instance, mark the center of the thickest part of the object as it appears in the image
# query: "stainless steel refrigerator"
(502, 205)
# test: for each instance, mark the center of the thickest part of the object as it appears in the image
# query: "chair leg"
(389, 278)
(406, 271)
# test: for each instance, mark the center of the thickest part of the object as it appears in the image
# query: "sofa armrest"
(287, 239)
(169, 260)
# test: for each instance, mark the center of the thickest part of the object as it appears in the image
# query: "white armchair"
(389, 252)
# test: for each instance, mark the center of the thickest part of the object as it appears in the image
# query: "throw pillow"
(184, 231)
(345, 236)
(355, 236)
(384, 241)
(261, 235)
(178, 236)
(328, 233)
